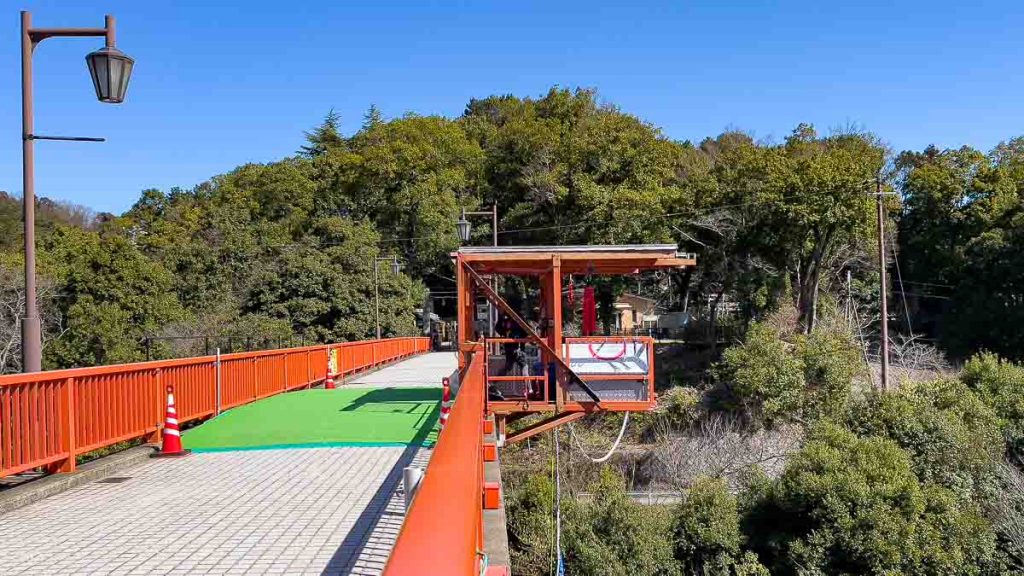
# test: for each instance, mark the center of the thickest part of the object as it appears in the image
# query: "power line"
(899, 279)
(928, 284)
(546, 228)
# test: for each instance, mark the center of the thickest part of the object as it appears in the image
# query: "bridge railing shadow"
(368, 543)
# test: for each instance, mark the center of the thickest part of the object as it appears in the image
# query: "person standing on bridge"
(507, 328)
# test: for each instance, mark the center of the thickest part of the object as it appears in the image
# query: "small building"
(635, 313)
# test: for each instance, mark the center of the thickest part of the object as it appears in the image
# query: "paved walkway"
(425, 370)
(293, 511)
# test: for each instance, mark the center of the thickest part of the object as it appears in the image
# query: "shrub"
(1000, 384)
(852, 505)
(830, 361)
(707, 533)
(952, 438)
(531, 524)
(809, 378)
(763, 375)
(612, 535)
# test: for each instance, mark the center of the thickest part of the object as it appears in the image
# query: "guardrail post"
(255, 380)
(284, 372)
(67, 426)
(309, 370)
(341, 364)
(217, 373)
(160, 405)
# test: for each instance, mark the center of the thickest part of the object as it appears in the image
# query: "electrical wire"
(899, 279)
(863, 345)
(556, 227)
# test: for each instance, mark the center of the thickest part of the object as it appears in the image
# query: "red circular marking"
(599, 357)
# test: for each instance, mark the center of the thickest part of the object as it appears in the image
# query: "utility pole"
(883, 283)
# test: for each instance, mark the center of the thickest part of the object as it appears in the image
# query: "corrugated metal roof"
(563, 249)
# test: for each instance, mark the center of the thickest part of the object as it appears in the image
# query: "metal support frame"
(530, 334)
(543, 426)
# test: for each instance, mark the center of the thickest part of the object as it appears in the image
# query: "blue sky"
(218, 84)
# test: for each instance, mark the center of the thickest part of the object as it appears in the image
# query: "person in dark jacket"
(507, 328)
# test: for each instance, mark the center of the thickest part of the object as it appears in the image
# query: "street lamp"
(395, 269)
(463, 227)
(110, 70)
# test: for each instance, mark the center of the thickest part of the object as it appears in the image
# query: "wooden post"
(883, 287)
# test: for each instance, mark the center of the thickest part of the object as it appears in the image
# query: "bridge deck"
(328, 510)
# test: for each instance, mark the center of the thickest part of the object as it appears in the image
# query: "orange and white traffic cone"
(332, 369)
(446, 401)
(172, 434)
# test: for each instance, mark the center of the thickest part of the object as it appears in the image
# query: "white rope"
(622, 432)
(558, 511)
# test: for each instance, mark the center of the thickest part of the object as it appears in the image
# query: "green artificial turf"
(307, 418)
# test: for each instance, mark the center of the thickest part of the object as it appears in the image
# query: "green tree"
(707, 533)
(782, 376)
(410, 177)
(850, 505)
(531, 527)
(613, 535)
(1000, 385)
(960, 242)
(810, 207)
(325, 137)
(111, 296)
(952, 438)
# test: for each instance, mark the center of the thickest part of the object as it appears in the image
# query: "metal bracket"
(64, 138)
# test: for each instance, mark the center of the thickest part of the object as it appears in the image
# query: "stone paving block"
(299, 511)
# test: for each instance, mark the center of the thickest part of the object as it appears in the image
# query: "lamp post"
(463, 226)
(395, 269)
(110, 70)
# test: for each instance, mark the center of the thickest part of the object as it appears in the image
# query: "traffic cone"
(172, 434)
(446, 401)
(332, 368)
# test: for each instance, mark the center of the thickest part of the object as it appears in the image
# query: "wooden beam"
(543, 426)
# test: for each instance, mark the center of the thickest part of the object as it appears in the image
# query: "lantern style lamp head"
(395, 266)
(463, 225)
(110, 70)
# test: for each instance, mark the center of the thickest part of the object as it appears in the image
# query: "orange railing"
(443, 530)
(49, 418)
